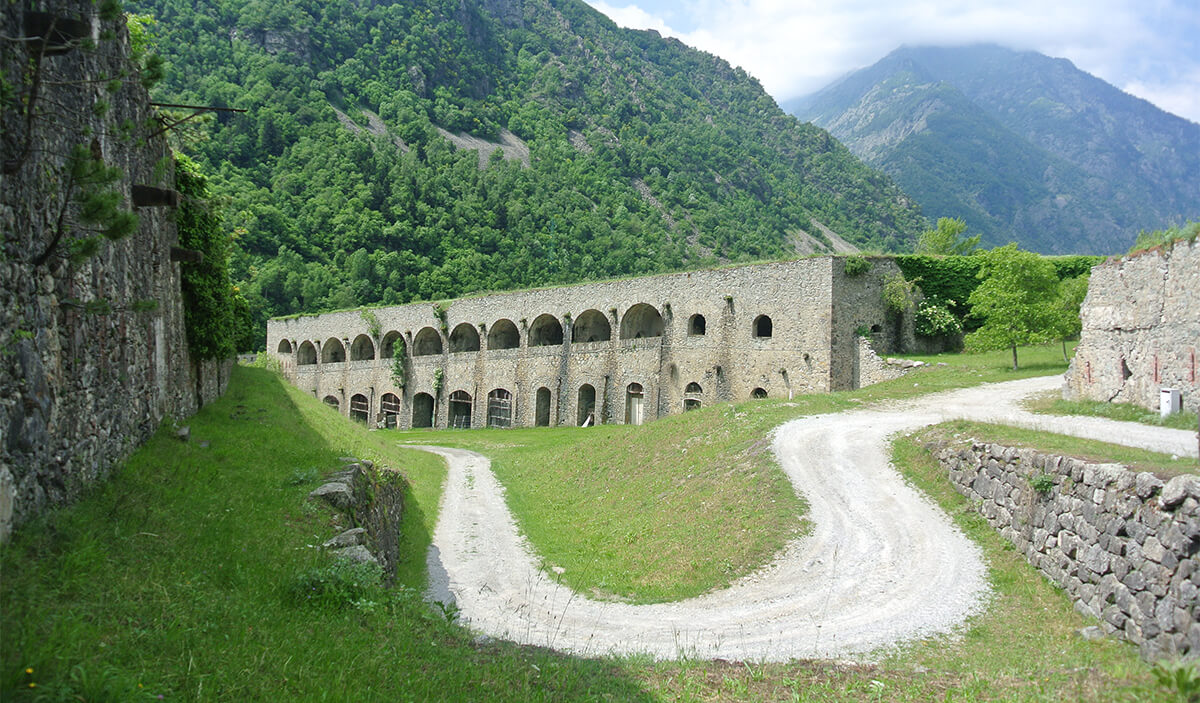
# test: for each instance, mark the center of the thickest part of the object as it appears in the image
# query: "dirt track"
(882, 565)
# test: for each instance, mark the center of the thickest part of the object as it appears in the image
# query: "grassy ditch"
(189, 575)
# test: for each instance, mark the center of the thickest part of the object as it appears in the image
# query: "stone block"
(1114, 617)
(1147, 484)
(1134, 580)
(1178, 488)
(1120, 567)
(336, 493)
(1153, 550)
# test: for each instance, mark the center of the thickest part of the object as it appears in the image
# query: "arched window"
(499, 408)
(758, 393)
(362, 349)
(696, 325)
(307, 354)
(427, 342)
(762, 326)
(464, 338)
(633, 404)
(542, 418)
(332, 351)
(460, 410)
(360, 408)
(503, 335)
(389, 407)
(641, 320)
(422, 410)
(285, 347)
(591, 326)
(387, 347)
(332, 401)
(585, 414)
(692, 396)
(545, 331)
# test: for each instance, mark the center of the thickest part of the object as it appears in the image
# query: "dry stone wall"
(1121, 543)
(81, 388)
(1141, 329)
(614, 351)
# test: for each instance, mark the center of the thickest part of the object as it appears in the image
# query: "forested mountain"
(623, 152)
(1024, 147)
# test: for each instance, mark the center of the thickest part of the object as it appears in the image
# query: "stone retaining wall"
(1123, 544)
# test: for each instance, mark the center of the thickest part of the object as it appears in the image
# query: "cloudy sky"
(1150, 48)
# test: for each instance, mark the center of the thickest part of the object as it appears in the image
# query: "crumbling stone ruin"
(1141, 329)
(621, 351)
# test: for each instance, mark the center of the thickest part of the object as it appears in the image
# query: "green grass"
(1053, 404)
(1165, 465)
(178, 575)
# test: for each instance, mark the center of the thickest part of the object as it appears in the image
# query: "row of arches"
(641, 320)
(500, 405)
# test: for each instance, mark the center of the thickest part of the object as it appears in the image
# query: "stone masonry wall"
(1141, 329)
(1121, 543)
(615, 335)
(80, 389)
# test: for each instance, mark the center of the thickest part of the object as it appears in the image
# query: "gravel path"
(881, 565)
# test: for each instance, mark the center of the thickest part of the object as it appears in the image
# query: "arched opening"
(362, 349)
(499, 408)
(332, 401)
(692, 396)
(542, 418)
(591, 326)
(460, 410)
(332, 351)
(307, 354)
(422, 410)
(758, 393)
(285, 347)
(503, 335)
(545, 331)
(387, 347)
(427, 342)
(696, 325)
(464, 338)
(762, 326)
(360, 407)
(389, 407)
(634, 397)
(641, 320)
(586, 407)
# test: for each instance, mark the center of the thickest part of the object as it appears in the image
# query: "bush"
(856, 265)
(337, 585)
(935, 320)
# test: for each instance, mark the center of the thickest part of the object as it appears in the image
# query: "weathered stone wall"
(1122, 544)
(1141, 329)
(614, 335)
(79, 390)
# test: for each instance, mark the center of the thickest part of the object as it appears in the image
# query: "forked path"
(881, 564)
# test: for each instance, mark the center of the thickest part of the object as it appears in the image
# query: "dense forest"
(345, 182)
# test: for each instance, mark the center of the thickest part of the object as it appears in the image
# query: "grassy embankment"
(177, 577)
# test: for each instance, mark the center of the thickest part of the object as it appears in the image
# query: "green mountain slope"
(1024, 147)
(623, 152)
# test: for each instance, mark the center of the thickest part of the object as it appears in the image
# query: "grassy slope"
(174, 575)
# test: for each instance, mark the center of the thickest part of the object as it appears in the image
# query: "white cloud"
(1148, 47)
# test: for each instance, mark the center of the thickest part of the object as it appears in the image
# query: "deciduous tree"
(1016, 299)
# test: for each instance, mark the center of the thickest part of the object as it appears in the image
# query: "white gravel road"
(882, 564)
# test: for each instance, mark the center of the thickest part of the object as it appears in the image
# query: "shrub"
(337, 585)
(856, 265)
(1042, 483)
(935, 320)
(899, 293)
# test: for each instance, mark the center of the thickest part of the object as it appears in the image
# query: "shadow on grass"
(172, 579)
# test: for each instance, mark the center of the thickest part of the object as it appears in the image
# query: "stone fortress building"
(621, 351)
(1141, 329)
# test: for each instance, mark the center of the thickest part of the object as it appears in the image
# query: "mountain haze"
(1022, 146)
(425, 149)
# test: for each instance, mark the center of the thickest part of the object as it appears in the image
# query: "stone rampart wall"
(684, 339)
(1122, 544)
(1141, 329)
(81, 388)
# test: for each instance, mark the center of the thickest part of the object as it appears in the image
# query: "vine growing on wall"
(399, 369)
(438, 380)
(374, 328)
